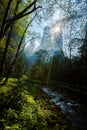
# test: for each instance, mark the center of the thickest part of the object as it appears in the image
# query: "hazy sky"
(59, 14)
(38, 27)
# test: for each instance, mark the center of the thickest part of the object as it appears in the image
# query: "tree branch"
(20, 15)
(18, 50)
(4, 19)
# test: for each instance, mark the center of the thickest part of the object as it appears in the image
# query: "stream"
(72, 109)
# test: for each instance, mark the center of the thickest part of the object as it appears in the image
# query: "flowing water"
(71, 108)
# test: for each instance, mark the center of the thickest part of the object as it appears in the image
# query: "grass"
(24, 106)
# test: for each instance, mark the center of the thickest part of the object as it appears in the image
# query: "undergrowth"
(24, 106)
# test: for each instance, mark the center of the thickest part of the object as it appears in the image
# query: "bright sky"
(39, 27)
(53, 22)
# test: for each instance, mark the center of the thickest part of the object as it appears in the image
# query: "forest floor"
(24, 106)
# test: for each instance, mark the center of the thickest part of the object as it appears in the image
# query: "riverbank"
(71, 108)
(24, 106)
(66, 90)
(68, 101)
(70, 92)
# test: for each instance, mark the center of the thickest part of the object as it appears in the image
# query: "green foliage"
(71, 72)
(26, 107)
(16, 34)
(19, 68)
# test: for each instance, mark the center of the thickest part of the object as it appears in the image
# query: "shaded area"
(76, 112)
(25, 106)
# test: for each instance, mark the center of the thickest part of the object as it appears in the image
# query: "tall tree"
(6, 22)
(8, 25)
(8, 37)
(18, 50)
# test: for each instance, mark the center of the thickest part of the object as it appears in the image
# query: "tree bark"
(22, 14)
(4, 19)
(5, 52)
(18, 51)
(7, 41)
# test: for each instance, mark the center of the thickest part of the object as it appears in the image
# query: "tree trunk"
(4, 19)
(18, 50)
(26, 11)
(8, 38)
(5, 52)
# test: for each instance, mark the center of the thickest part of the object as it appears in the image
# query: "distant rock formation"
(46, 41)
(58, 42)
(51, 45)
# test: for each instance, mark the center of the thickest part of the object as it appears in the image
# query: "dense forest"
(43, 65)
